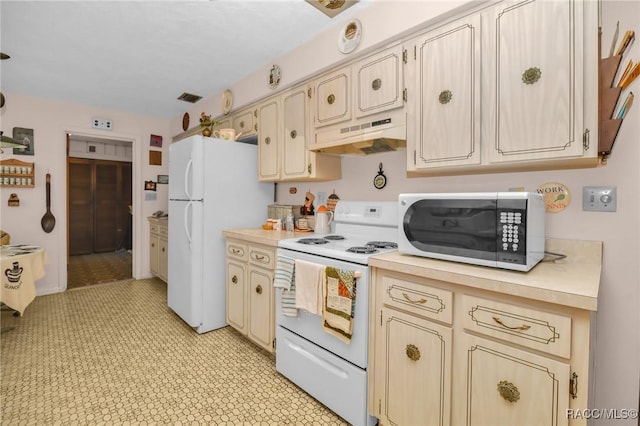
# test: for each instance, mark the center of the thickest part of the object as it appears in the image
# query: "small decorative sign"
(156, 140)
(556, 196)
(163, 179)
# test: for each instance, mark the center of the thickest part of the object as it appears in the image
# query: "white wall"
(50, 120)
(616, 336)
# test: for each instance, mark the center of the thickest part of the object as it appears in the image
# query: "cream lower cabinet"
(445, 354)
(249, 290)
(159, 248)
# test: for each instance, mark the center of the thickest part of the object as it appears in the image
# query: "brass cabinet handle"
(267, 140)
(517, 327)
(242, 124)
(531, 75)
(331, 99)
(258, 257)
(508, 391)
(376, 84)
(163, 249)
(259, 289)
(234, 279)
(235, 251)
(152, 245)
(406, 296)
(294, 134)
(573, 385)
(412, 352)
(309, 168)
(445, 97)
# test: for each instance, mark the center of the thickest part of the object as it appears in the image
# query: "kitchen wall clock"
(274, 76)
(349, 37)
(227, 101)
(380, 180)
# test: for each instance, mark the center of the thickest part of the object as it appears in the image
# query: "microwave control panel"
(511, 231)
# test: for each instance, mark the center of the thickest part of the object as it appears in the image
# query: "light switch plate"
(599, 198)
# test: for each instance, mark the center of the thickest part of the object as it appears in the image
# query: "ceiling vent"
(331, 7)
(188, 97)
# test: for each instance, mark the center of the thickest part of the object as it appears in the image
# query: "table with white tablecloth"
(22, 265)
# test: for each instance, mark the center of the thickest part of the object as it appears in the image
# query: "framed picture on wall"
(25, 136)
(155, 158)
(163, 179)
(156, 141)
(149, 185)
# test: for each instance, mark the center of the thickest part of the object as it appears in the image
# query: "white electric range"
(334, 372)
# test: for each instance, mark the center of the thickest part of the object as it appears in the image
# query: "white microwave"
(498, 229)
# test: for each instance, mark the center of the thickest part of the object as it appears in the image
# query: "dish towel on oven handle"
(309, 278)
(339, 303)
(285, 279)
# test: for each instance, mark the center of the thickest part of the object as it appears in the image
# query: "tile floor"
(98, 268)
(115, 354)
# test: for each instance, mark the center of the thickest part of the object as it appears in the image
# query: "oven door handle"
(322, 362)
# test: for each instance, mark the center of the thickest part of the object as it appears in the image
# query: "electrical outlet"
(101, 123)
(599, 198)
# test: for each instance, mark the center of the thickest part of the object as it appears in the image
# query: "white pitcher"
(323, 222)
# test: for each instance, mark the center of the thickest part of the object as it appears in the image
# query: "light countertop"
(261, 236)
(573, 281)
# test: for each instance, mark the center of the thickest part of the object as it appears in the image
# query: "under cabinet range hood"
(380, 134)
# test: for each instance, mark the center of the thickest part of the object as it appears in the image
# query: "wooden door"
(236, 296)
(268, 144)
(106, 210)
(333, 104)
(261, 325)
(294, 152)
(378, 82)
(80, 207)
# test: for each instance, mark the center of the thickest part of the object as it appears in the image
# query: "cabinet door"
(154, 249)
(378, 82)
(261, 324)
(236, 315)
(533, 72)
(245, 122)
(413, 371)
(163, 260)
(507, 386)
(332, 97)
(446, 96)
(294, 151)
(268, 146)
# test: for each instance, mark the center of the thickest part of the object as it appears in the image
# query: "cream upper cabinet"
(268, 136)
(378, 82)
(533, 75)
(283, 138)
(333, 97)
(444, 92)
(504, 89)
(246, 122)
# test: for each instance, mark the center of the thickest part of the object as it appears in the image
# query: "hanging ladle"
(48, 220)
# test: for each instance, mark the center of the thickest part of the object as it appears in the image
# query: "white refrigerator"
(213, 186)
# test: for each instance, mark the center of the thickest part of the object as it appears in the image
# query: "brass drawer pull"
(259, 289)
(331, 99)
(531, 75)
(517, 327)
(234, 279)
(508, 391)
(236, 251)
(445, 97)
(413, 352)
(267, 140)
(406, 296)
(258, 257)
(376, 84)
(294, 134)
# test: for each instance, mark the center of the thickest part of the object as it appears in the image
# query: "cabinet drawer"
(261, 256)
(531, 328)
(163, 231)
(417, 298)
(153, 229)
(237, 250)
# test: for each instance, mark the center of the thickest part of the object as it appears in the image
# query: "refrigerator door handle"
(186, 221)
(186, 180)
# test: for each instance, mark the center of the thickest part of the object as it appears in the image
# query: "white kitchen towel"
(309, 278)
(284, 279)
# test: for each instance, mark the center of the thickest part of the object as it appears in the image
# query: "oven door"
(309, 326)
(449, 226)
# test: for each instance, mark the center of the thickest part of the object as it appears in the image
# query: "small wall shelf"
(17, 174)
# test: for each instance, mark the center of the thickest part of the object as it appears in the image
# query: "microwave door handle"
(186, 179)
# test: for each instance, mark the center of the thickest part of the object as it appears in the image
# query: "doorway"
(99, 179)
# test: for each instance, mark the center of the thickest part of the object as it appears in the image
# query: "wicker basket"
(4, 238)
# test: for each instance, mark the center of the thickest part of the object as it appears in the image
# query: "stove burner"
(313, 241)
(333, 237)
(382, 244)
(362, 249)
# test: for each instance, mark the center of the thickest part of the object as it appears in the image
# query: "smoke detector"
(331, 7)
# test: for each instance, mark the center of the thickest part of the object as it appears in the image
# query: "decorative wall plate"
(349, 37)
(380, 180)
(274, 76)
(227, 101)
(185, 121)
